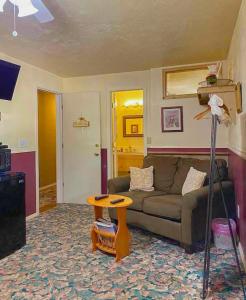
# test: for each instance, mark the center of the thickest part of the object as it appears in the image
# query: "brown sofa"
(165, 211)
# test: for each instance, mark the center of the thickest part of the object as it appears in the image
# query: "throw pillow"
(141, 179)
(194, 180)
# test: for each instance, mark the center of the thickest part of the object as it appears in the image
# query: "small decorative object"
(211, 79)
(133, 126)
(81, 122)
(213, 72)
(172, 119)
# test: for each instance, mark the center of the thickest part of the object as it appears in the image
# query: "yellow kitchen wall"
(121, 98)
(47, 138)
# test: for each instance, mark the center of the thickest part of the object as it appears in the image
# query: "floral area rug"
(57, 263)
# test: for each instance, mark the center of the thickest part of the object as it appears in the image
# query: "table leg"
(122, 239)
(98, 212)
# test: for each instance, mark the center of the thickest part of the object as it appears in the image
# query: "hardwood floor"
(47, 199)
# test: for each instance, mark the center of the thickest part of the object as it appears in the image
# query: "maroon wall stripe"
(104, 170)
(25, 162)
(237, 171)
(200, 151)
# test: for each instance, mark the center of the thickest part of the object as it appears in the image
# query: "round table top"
(106, 201)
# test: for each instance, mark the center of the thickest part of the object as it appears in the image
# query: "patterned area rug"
(57, 263)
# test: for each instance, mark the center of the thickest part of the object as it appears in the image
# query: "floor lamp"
(216, 104)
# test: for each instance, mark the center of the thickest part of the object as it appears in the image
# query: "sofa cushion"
(138, 197)
(184, 165)
(165, 206)
(194, 181)
(164, 169)
(141, 179)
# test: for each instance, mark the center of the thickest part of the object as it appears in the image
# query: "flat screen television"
(8, 77)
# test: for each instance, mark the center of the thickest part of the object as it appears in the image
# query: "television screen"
(8, 76)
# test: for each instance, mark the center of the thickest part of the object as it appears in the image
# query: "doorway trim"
(59, 151)
(110, 143)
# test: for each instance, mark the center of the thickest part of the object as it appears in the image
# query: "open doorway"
(47, 150)
(127, 131)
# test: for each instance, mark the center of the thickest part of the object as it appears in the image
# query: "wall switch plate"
(23, 143)
(148, 140)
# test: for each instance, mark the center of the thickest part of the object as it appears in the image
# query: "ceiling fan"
(30, 7)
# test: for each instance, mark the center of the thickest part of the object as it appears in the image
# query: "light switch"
(23, 143)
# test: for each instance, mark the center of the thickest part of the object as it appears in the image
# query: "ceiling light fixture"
(29, 8)
(26, 8)
(2, 2)
(133, 102)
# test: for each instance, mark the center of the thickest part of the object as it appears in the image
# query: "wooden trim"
(28, 218)
(176, 70)
(186, 151)
(181, 96)
(181, 118)
(129, 117)
(47, 186)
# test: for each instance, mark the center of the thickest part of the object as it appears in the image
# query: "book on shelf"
(105, 225)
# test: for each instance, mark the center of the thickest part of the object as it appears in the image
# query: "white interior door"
(81, 147)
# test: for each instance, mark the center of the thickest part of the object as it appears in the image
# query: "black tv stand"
(12, 213)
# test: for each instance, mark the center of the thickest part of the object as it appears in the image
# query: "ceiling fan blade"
(43, 15)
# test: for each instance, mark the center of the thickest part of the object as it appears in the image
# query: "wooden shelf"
(217, 89)
(107, 235)
(231, 95)
(104, 233)
(106, 249)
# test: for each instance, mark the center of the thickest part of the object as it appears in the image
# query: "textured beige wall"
(196, 133)
(19, 117)
(236, 65)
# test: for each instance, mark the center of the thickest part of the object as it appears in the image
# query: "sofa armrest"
(194, 210)
(199, 197)
(119, 184)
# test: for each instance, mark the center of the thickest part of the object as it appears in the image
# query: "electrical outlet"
(149, 140)
(238, 211)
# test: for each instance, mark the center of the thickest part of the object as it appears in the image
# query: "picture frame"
(172, 119)
(133, 126)
(182, 82)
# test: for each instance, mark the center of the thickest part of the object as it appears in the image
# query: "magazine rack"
(119, 242)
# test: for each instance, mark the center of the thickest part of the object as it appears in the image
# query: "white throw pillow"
(194, 180)
(141, 179)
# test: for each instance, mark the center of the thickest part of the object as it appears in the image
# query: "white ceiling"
(107, 36)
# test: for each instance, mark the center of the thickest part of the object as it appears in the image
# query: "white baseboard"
(47, 186)
(32, 216)
(240, 249)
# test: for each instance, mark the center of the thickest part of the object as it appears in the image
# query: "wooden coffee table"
(121, 239)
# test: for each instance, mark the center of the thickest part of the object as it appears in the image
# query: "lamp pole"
(213, 170)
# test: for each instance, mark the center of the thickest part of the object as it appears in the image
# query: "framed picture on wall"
(172, 119)
(133, 126)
